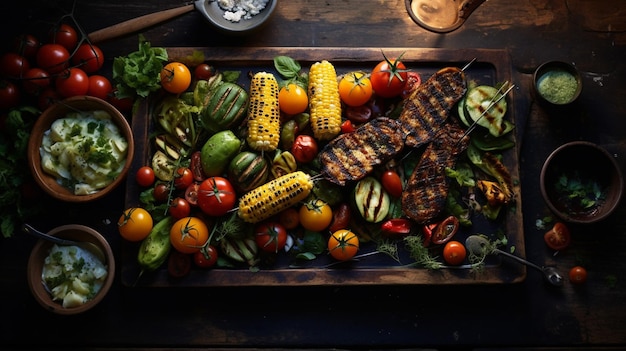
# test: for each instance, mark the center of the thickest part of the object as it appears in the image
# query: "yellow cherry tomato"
(135, 224)
(355, 88)
(293, 99)
(175, 77)
(343, 245)
(315, 215)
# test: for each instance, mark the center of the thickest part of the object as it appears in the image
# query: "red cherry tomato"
(454, 253)
(161, 192)
(216, 196)
(64, 35)
(13, 65)
(359, 114)
(206, 257)
(304, 148)
(9, 95)
(99, 86)
(53, 58)
(578, 275)
(203, 71)
(558, 237)
(392, 183)
(145, 176)
(88, 57)
(49, 96)
(72, 82)
(270, 236)
(35, 80)
(179, 208)
(183, 178)
(124, 105)
(26, 45)
(191, 194)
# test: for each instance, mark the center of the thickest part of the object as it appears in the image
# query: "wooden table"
(591, 34)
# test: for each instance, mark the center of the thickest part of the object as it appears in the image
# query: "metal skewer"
(492, 103)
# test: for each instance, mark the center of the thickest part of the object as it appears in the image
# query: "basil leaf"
(287, 67)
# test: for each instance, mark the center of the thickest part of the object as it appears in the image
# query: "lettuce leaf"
(138, 74)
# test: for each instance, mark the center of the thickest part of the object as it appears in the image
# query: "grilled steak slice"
(353, 155)
(426, 190)
(429, 105)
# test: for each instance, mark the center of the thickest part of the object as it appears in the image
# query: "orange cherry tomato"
(316, 215)
(454, 253)
(175, 77)
(355, 88)
(293, 99)
(343, 245)
(135, 224)
(189, 235)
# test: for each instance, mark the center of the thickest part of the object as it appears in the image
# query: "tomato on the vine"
(316, 215)
(343, 245)
(145, 176)
(270, 236)
(558, 237)
(9, 95)
(135, 224)
(99, 86)
(53, 58)
(175, 77)
(389, 77)
(183, 178)
(26, 45)
(64, 35)
(392, 183)
(88, 57)
(454, 253)
(203, 71)
(179, 208)
(35, 80)
(355, 88)
(293, 99)
(72, 82)
(578, 275)
(216, 196)
(206, 257)
(304, 148)
(189, 234)
(13, 65)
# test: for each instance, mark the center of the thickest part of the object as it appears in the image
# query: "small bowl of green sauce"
(557, 83)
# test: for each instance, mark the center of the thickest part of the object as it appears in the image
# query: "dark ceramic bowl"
(557, 83)
(48, 182)
(215, 15)
(40, 252)
(581, 182)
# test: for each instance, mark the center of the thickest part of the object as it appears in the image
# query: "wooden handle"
(137, 24)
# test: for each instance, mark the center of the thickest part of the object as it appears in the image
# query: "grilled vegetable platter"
(343, 189)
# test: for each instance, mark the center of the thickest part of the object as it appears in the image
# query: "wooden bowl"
(40, 252)
(581, 165)
(215, 15)
(548, 83)
(48, 182)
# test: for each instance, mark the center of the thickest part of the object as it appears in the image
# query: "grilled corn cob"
(275, 196)
(324, 101)
(263, 113)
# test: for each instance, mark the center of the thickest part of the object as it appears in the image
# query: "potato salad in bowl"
(85, 151)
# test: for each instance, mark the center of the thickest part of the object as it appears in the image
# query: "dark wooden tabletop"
(590, 34)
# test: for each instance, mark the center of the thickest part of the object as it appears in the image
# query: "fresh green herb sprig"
(138, 73)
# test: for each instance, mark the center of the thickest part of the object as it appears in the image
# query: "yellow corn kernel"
(263, 113)
(274, 196)
(324, 101)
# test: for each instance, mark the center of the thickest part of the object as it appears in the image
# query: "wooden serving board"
(491, 67)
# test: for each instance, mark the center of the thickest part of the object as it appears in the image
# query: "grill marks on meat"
(353, 155)
(430, 104)
(426, 190)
